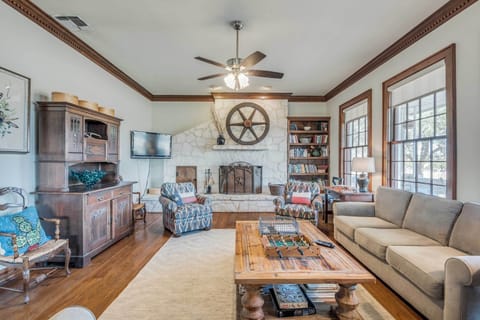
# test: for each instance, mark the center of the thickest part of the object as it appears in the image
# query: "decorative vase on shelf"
(220, 140)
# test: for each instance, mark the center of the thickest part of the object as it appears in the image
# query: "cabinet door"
(98, 225)
(74, 139)
(113, 142)
(122, 215)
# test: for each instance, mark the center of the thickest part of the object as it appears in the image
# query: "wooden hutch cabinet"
(72, 138)
(308, 148)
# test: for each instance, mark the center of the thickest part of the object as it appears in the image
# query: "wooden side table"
(343, 193)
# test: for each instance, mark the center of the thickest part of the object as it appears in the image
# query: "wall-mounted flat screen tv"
(150, 145)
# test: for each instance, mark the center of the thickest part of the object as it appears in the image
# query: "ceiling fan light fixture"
(236, 81)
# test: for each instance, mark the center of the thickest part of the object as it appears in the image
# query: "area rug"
(191, 278)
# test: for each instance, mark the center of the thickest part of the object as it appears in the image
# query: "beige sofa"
(425, 248)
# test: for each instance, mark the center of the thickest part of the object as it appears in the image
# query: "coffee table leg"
(252, 303)
(347, 302)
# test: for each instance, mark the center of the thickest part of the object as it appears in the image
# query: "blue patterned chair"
(286, 205)
(180, 217)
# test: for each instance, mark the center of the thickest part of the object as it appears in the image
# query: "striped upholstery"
(187, 217)
(308, 212)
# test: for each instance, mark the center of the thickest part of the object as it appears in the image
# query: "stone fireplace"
(240, 178)
(197, 146)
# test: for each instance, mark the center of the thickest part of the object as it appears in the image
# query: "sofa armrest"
(204, 200)
(317, 203)
(359, 209)
(279, 202)
(462, 275)
(167, 204)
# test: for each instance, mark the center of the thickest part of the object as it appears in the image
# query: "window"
(419, 127)
(355, 133)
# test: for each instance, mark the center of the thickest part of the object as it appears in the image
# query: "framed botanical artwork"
(14, 112)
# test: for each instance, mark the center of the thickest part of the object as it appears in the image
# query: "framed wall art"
(14, 112)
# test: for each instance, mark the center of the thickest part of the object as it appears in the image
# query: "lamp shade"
(363, 164)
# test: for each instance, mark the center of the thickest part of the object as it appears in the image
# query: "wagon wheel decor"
(247, 123)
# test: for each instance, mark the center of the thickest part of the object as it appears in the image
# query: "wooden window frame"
(448, 56)
(367, 95)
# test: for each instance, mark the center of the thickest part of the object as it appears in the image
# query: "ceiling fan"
(237, 68)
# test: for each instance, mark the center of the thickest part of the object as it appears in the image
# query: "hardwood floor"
(98, 284)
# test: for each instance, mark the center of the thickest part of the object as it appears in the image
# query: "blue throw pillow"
(26, 225)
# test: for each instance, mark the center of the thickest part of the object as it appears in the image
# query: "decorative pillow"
(26, 225)
(299, 197)
(188, 197)
(181, 198)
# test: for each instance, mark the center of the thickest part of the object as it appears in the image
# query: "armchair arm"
(279, 202)
(167, 204)
(359, 209)
(462, 274)
(317, 202)
(204, 200)
(14, 243)
(57, 226)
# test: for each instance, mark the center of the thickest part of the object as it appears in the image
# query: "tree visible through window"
(419, 127)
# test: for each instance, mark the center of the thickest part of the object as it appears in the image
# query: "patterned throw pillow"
(299, 197)
(188, 197)
(26, 225)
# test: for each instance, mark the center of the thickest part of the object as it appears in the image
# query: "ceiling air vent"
(72, 23)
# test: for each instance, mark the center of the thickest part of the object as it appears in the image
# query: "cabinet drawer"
(121, 191)
(97, 197)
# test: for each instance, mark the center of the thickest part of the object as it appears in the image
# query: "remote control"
(325, 243)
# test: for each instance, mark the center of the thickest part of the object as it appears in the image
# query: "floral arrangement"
(89, 177)
(7, 115)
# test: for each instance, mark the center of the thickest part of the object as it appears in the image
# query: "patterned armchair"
(301, 200)
(183, 209)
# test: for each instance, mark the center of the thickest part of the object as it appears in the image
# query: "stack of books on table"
(290, 300)
(321, 292)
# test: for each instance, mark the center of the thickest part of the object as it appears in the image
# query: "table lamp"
(364, 166)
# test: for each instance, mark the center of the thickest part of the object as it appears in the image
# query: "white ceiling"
(315, 43)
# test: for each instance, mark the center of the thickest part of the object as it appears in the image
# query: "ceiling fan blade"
(265, 74)
(252, 59)
(213, 76)
(218, 64)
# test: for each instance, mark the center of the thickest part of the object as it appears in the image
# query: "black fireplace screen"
(240, 177)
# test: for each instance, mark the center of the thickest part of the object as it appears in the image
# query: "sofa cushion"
(376, 240)
(347, 225)
(391, 204)
(192, 211)
(432, 216)
(424, 266)
(465, 231)
(296, 211)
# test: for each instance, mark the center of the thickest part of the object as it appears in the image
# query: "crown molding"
(435, 20)
(307, 99)
(251, 95)
(181, 98)
(439, 17)
(40, 17)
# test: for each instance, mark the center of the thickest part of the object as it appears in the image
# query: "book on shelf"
(321, 292)
(293, 300)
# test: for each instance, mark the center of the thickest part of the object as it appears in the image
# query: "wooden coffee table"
(254, 269)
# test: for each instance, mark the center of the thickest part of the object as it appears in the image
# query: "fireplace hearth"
(240, 177)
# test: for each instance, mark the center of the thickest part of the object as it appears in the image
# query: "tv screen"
(150, 145)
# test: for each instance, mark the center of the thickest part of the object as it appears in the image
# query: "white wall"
(314, 109)
(464, 30)
(53, 66)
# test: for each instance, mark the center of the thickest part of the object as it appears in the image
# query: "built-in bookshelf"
(308, 148)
